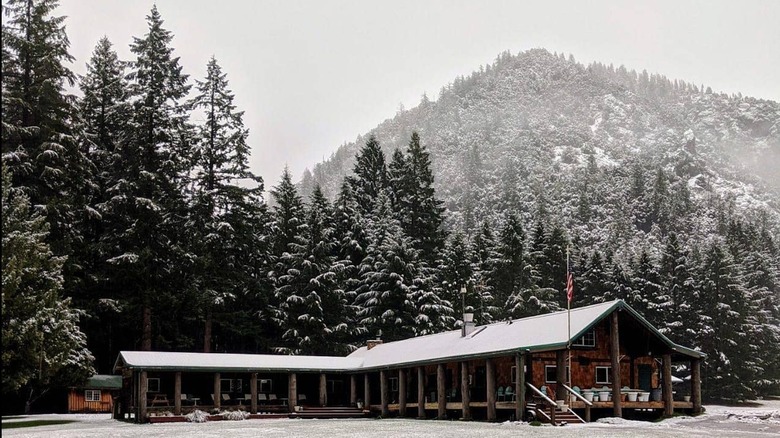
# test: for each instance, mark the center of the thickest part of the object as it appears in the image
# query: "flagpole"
(568, 312)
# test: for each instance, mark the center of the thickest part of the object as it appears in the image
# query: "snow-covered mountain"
(588, 145)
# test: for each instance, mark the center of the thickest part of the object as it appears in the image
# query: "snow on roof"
(150, 360)
(540, 332)
(536, 333)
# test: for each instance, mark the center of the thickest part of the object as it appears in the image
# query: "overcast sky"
(311, 75)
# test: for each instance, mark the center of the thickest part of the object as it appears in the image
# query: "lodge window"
(394, 384)
(549, 373)
(266, 385)
(92, 395)
(231, 385)
(603, 374)
(514, 373)
(587, 340)
(153, 385)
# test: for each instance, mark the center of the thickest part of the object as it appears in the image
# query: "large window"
(92, 395)
(153, 385)
(603, 375)
(587, 340)
(231, 385)
(550, 373)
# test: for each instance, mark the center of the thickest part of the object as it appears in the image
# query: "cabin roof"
(535, 334)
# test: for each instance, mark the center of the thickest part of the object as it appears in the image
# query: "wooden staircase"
(562, 415)
(328, 412)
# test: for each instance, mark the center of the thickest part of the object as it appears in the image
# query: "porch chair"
(500, 394)
(186, 398)
(509, 394)
(301, 399)
(248, 398)
(272, 398)
(262, 398)
(226, 399)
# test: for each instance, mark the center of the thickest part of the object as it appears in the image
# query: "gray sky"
(312, 75)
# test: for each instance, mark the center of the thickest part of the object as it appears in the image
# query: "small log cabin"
(96, 395)
(615, 364)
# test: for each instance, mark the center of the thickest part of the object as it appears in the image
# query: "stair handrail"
(577, 395)
(541, 394)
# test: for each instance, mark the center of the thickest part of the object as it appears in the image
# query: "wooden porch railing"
(546, 399)
(579, 396)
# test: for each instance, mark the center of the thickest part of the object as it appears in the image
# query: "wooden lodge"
(619, 365)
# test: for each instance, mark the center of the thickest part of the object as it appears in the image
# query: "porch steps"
(328, 412)
(562, 416)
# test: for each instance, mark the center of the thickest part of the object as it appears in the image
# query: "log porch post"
(465, 395)
(617, 406)
(420, 392)
(519, 386)
(696, 385)
(384, 393)
(491, 390)
(177, 394)
(217, 391)
(352, 390)
(366, 392)
(441, 392)
(142, 389)
(667, 388)
(292, 392)
(323, 389)
(402, 392)
(253, 390)
(560, 375)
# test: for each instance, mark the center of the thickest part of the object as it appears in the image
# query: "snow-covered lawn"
(719, 421)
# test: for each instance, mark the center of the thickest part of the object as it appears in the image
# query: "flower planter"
(687, 398)
(604, 396)
(644, 396)
(588, 395)
(632, 396)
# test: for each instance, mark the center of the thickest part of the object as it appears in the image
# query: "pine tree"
(370, 176)
(484, 256)
(146, 210)
(593, 283)
(39, 140)
(388, 277)
(42, 343)
(222, 200)
(680, 321)
(646, 294)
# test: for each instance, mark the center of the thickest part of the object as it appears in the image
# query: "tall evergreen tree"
(42, 343)
(147, 209)
(225, 195)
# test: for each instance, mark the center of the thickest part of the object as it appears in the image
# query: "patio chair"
(185, 398)
(500, 394)
(262, 398)
(226, 399)
(509, 395)
(301, 399)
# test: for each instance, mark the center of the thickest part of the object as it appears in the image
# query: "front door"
(645, 377)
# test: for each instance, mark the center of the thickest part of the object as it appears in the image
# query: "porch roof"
(224, 362)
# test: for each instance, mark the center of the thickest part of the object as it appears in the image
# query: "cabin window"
(549, 373)
(394, 384)
(266, 385)
(587, 340)
(231, 385)
(153, 385)
(514, 373)
(92, 395)
(603, 374)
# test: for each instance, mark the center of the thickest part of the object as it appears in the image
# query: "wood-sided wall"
(78, 403)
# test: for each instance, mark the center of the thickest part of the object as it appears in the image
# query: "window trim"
(263, 388)
(89, 395)
(609, 375)
(393, 384)
(556, 369)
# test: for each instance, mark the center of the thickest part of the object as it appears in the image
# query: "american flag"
(569, 286)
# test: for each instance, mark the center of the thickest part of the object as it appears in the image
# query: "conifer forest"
(131, 224)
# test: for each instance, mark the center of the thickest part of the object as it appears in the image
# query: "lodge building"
(618, 365)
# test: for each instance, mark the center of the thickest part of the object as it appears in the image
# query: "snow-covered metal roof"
(173, 361)
(537, 333)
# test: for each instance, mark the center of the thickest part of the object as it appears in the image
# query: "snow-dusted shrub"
(235, 415)
(197, 416)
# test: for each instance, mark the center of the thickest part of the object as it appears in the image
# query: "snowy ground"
(759, 421)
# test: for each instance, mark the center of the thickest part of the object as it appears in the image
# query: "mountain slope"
(538, 132)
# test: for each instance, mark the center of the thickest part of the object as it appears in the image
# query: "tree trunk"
(207, 332)
(146, 335)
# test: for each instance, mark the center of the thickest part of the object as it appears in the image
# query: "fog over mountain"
(539, 131)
